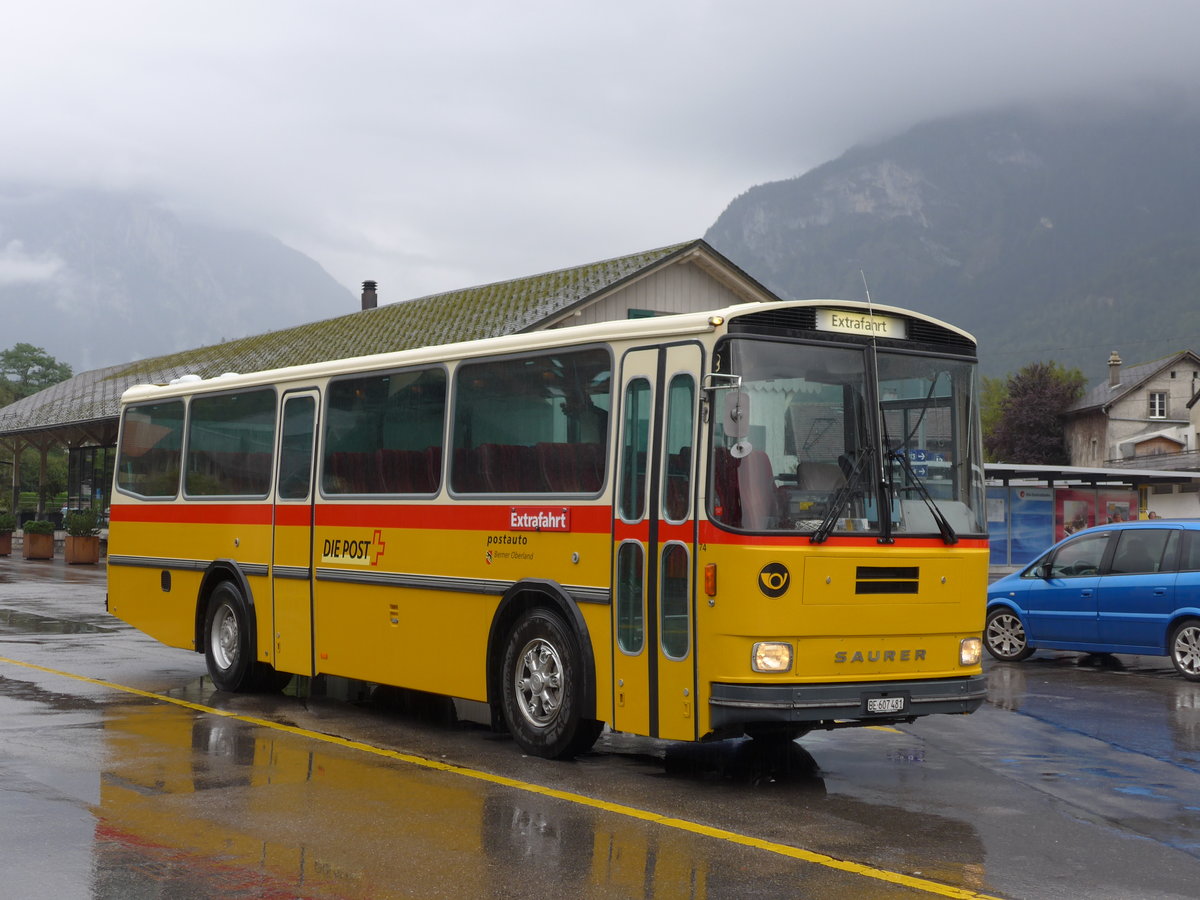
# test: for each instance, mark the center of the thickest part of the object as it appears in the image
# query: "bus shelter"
(1031, 507)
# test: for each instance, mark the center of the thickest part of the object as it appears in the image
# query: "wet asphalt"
(124, 774)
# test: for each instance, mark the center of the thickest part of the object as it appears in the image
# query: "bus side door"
(654, 530)
(292, 550)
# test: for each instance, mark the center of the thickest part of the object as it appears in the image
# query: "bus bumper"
(733, 705)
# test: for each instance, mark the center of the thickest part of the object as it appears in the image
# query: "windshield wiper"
(841, 498)
(939, 517)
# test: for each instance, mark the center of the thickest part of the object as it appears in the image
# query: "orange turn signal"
(710, 579)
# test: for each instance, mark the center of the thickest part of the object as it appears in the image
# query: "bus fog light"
(771, 656)
(970, 651)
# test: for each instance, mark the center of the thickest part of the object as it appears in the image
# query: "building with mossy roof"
(82, 412)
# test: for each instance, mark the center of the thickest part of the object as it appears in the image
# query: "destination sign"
(856, 322)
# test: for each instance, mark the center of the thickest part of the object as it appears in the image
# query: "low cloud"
(17, 266)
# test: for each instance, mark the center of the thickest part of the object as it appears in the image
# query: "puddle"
(30, 623)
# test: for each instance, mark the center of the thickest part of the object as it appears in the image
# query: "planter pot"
(6, 544)
(82, 550)
(38, 546)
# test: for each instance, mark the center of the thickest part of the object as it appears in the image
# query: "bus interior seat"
(746, 489)
(819, 476)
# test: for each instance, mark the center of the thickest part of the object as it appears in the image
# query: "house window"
(1158, 404)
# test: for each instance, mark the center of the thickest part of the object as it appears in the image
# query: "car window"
(1189, 560)
(1139, 550)
(1170, 560)
(1081, 556)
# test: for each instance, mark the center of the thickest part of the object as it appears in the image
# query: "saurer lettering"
(857, 656)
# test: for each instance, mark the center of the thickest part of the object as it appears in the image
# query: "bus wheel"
(541, 689)
(227, 650)
(1004, 636)
(1185, 648)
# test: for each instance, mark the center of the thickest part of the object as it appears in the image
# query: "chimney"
(370, 299)
(1114, 367)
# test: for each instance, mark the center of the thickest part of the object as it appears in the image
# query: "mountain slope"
(102, 278)
(1050, 234)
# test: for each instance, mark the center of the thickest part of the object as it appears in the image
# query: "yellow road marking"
(821, 859)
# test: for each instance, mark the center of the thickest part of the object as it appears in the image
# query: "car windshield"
(799, 442)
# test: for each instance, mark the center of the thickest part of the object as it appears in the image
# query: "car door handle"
(1085, 593)
(1159, 592)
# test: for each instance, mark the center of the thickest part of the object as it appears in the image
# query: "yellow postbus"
(758, 520)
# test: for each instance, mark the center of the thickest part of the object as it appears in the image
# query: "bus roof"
(678, 324)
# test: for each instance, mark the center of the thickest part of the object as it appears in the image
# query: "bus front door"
(654, 531)
(292, 553)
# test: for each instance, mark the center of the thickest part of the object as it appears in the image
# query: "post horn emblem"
(773, 579)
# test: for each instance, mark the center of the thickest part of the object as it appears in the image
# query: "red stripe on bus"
(299, 515)
(583, 519)
(623, 531)
(193, 513)
(443, 517)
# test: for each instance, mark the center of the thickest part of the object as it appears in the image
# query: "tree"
(1028, 424)
(26, 369)
(991, 397)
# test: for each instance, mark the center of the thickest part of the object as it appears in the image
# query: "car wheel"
(542, 684)
(1004, 636)
(1185, 648)
(227, 651)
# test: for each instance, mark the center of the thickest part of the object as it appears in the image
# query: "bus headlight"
(771, 656)
(970, 651)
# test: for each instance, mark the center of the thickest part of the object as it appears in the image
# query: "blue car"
(1129, 587)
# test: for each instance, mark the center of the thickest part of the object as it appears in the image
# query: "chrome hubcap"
(538, 682)
(224, 637)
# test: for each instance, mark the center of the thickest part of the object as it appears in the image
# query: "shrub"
(8, 523)
(82, 523)
(38, 526)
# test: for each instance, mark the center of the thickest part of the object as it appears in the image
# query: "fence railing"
(1179, 462)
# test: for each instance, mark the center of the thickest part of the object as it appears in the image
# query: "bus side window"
(631, 578)
(295, 448)
(151, 445)
(231, 444)
(634, 445)
(384, 432)
(531, 425)
(677, 480)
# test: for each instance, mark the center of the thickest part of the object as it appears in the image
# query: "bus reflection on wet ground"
(196, 805)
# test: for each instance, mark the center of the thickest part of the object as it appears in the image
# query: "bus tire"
(227, 650)
(1185, 648)
(541, 688)
(1004, 636)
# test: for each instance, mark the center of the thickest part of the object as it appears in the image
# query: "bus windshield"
(810, 435)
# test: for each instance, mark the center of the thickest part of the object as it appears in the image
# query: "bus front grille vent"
(887, 580)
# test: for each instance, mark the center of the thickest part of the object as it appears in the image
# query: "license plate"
(885, 704)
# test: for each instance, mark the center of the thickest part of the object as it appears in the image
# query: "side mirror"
(737, 414)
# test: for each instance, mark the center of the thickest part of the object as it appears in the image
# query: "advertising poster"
(1076, 510)
(1031, 523)
(1119, 507)
(997, 523)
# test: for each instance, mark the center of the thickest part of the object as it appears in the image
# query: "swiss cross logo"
(377, 547)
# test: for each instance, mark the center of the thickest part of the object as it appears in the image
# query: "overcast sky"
(432, 146)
